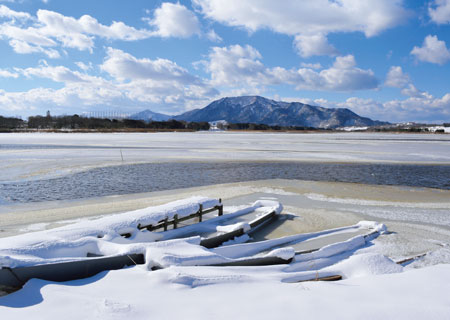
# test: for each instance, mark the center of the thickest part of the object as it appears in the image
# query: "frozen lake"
(62, 166)
(36, 156)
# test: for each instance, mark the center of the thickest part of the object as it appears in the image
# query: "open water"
(126, 179)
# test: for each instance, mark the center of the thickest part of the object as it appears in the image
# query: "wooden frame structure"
(176, 220)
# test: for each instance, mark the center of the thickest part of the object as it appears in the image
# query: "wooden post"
(200, 213)
(165, 224)
(220, 208)
(175, 221)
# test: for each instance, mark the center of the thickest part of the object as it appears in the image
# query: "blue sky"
(384, 59)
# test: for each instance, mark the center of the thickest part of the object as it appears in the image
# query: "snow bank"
(441, 255)
(180, 252)
(101, 236)
(363, 265)
(188, 252)
(333, 249)
(104, 236)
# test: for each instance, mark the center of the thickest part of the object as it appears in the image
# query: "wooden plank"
(327, 278)
(260, 261)
(65, 271)
(258, 222)
(216, 241)
(411, 258)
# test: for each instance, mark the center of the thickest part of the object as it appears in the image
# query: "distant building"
(218, 125)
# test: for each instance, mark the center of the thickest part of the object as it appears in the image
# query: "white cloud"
(135, 84)
(236, 65)
(230, 66)
(396, 78)
(50, 29)
(8, 74)
(433, 50)
(309, 21)
(175, 20)
(24, 47)
(311, 65)
(316, 44)
(439, 11)
(57, 74)
(83, 66)
(5, 12)
(425, 108)
(411, 91)
(342, 76)
(213, 36)
(123, 66)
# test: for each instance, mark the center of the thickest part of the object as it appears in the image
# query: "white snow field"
(42, 155)
(315, 214)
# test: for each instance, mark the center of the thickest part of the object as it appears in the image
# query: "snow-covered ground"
(374, 286)
(41, 155)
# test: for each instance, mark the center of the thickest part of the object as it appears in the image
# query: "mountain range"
(149, 115)
(256, 109)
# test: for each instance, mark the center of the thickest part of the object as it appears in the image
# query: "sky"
(384, 59)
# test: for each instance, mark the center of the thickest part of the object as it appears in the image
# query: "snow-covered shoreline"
(371, 276)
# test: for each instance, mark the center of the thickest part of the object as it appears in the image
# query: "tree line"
(76, 122)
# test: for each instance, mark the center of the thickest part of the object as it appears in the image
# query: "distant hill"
(256, 109)
(148, 115)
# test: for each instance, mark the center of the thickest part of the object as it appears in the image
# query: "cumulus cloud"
(83, 66)
(49, 30)
(308, 21)
(8, 74)
(130, 83)
(312, 45)
(57, 74)
(433, 50)
(424, 108)
(123, 66)
(236, 65)
(439, 11)
(342, 76)
(5, 12)
(175, 20)
(411, 91)
(396, 78)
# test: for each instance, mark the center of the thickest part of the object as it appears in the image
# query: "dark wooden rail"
(217, 240)
(176, 220)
